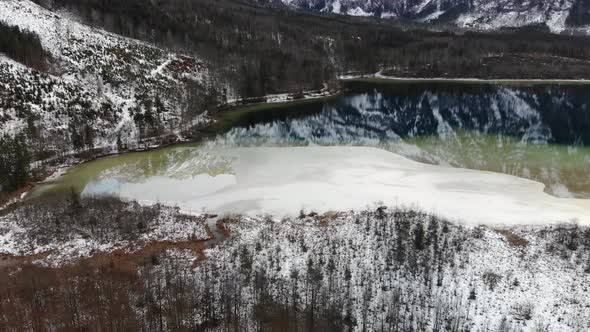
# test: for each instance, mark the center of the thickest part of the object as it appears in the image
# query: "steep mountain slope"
(558, 15)
(101, 90)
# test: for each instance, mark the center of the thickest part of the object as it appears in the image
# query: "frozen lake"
(284, 181)
(474, 153)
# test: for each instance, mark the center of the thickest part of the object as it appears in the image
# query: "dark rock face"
(579, 14)
(558, 15)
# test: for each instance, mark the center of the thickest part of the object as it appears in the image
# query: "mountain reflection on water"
(537, 132)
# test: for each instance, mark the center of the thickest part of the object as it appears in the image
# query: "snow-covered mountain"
(559, 15)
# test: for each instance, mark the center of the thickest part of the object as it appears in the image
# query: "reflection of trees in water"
(499, 129)
(539, 115)
(563, 169)
(181, 163)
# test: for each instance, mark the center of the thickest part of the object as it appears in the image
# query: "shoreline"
(217, 230)
(379, 78)
(224, 113)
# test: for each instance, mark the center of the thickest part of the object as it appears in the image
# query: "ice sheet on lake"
(282, 181)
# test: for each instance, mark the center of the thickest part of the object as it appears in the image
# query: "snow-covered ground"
(27, 231)
(477, 278)
(371, 270)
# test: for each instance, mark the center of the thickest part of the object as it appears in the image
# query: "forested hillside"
(67, 88)
(14, 162)
(262, 50)
(376, 270)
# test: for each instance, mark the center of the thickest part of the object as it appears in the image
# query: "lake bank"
(380, 78)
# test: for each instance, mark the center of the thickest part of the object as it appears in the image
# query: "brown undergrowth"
(513, 239)
(38, 296)
(128, 258)
(14, 196)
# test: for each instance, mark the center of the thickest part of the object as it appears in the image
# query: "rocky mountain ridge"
(560, 16)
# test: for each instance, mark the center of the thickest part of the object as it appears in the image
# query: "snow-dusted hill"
(100, 86)
(375, 270)
(558, 15)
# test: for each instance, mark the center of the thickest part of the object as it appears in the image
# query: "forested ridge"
(268, 50)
